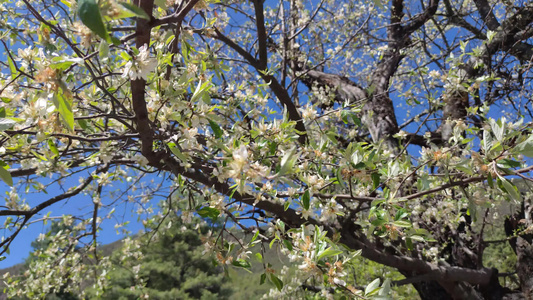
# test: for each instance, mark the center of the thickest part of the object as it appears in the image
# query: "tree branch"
(278, 90)
(144, 126)
(261, 34)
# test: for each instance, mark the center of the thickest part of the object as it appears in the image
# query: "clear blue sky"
(77, 205)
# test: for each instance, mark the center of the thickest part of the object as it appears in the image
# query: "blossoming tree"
(394, 130)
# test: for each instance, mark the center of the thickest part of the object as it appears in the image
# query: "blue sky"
(77, 205)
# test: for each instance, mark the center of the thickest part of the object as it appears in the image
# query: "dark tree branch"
(176, 17)
(261, 34)
(421, 19)
(485, 10)
(144, 126)
(280, 92)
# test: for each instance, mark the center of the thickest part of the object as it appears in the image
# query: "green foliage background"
(173, 266)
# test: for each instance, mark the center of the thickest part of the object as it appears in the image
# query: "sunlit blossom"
(141, 65)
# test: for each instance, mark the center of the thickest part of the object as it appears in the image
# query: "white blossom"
(141, 66)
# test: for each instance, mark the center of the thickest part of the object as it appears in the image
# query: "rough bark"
(524, 250)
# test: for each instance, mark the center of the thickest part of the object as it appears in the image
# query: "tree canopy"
(399, 131)
(173, 265)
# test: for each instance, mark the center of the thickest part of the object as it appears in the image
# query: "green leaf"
(372, 287)
(241, 263)
(276, 281)
(409, 243)
(216, 129)
(287, 244)
(103, 49)
(6, 124)
(12, 67)
(498, 128)
(39, 156)
(417, 238)
(5, 175)
(272, 243)
(90, 16)
(487, 141)
(490, 180)
(255, 236)
(525, 147)
(306, 199)
(64, 108)
(177, 151)
(379, 4)
(345, 115)
(208, 212)
(378, 222)
(356, 120)
(385, 288)
(328, 253)
(2, 258)
(511, 189)
(263, 278)
(135, 10)
(161, 3)
(61, 63)
(509, 163)
(404, 224)
(83, 124)
(53, 147)
(287, 162)
(201, 88)
(375, 180)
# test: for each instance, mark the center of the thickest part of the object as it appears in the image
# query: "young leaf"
(328, 253)
(379, 4)
(53, 147)
(385, 288)
(5, 175)
(90, 16)
(242, 263)
(511, 189)
(177, 152)
(201, 88)
(255, 236)
(103, 49)
(208, 212)
(372, 287)
(306, 200)
(161, 3)
(216, 129)
(276, 281)
(375, 180)
(287, 244)
(409, 243)
(6, 124)
(12, 68)
(64, 108)
(525, 147)
(135, 10)
(287, 162)
(401, 223)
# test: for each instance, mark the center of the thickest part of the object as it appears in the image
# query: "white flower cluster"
(141, 66)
